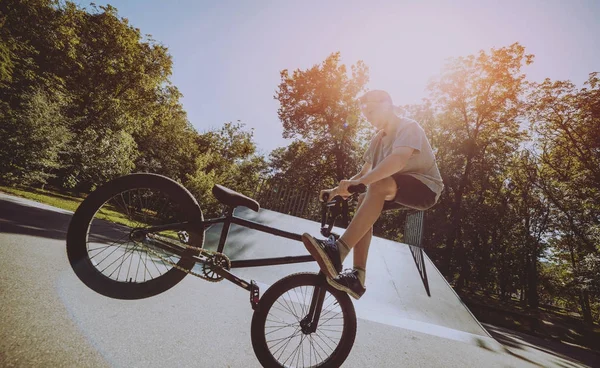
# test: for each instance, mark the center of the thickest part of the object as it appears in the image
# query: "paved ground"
(49, 318)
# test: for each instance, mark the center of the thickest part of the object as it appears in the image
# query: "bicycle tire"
(270, 300)
(81, 224)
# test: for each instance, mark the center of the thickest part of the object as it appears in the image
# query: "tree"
(532, 220)
(118, 82)
(566, 122)
(168, 144)
(227, 156)
(32, 138)
(109, 80)
(478, 99)
(319, 111)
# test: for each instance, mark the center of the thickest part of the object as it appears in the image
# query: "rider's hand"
(343, 187)
(331, 192)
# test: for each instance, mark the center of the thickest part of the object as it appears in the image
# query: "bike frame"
(227, 220)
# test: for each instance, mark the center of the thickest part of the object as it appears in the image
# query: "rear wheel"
(281, 325)
(109, 245)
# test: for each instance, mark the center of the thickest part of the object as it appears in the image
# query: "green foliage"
(566, 122)
(227, 157)
(112, 71)
(318, 109)
(85, 98)
(478, 103)
(6, 65)
(111, 84)
(168, 145)
(32, 138)
(97, 156)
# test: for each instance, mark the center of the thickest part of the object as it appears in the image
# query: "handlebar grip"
(325, 197)
(360, 188)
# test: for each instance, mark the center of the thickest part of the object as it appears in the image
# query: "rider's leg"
(361, 249)
(330, 254)
(361, 252)
(358, 236)
(369, 211)
(360, 231)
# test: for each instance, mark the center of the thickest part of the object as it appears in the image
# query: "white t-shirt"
(421, 165)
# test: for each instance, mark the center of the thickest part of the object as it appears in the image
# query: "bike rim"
(114, 242)
(286, 341)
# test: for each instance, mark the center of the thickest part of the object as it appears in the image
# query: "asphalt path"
(49, 318)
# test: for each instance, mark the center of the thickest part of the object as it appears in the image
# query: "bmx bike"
(139, 235)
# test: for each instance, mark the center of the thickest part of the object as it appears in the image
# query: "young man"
(399, 170)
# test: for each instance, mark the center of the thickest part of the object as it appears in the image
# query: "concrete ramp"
(396, 294)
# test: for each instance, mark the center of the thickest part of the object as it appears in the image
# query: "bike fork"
(311, 320)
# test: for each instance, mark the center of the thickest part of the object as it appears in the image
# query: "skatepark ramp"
(404, 288)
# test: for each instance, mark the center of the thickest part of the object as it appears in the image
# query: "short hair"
(376, 95)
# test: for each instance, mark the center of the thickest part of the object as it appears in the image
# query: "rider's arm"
(389, 166)
(365, 169)
(333, 192)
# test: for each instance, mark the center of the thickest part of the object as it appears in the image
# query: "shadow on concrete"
(18, 217)
(567, 356)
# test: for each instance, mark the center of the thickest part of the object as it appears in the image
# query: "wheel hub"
(137, 235)
(306, 326)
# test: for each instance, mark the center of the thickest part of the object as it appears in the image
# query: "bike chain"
(205, 266)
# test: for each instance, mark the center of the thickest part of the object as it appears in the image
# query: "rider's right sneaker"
(325, 252)
(349, 282)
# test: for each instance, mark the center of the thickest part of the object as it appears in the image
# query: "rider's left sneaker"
(349, 282)
(326, 252)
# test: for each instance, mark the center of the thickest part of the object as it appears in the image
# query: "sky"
(227, 55)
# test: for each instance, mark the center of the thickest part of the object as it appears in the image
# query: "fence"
(285, 199)
(413, 235)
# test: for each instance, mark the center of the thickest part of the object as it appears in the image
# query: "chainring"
(215, 260)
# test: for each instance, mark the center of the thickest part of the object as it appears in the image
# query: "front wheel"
(289, 329)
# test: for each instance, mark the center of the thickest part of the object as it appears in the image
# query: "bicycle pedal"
(254, 294)
(184, 237)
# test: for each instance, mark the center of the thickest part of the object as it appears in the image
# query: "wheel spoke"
(124, 257)
(114, 250)
(121, 259)
(107, 246)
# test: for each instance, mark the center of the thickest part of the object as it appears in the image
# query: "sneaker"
(348, 281)
(326, 253)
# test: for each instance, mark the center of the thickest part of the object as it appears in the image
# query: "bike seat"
(232, 198)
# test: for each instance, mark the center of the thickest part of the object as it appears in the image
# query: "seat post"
(225, 230)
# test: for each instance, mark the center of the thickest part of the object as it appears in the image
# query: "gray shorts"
(412, 193)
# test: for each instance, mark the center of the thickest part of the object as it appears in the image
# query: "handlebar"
(354, 189)
(330, 210)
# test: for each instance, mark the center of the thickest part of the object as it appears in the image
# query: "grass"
(70, 202)
(64, 201)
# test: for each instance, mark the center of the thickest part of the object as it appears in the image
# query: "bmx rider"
(399, 171)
